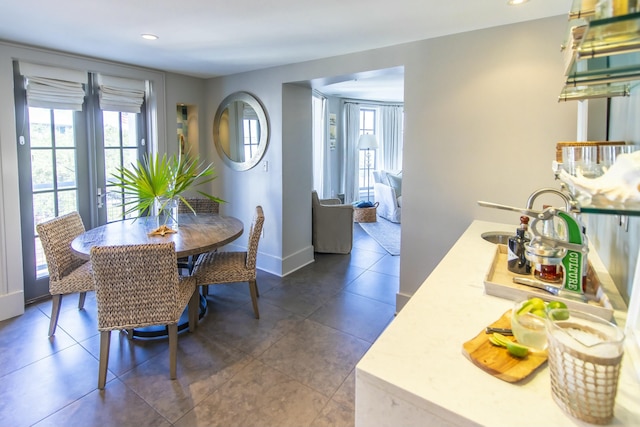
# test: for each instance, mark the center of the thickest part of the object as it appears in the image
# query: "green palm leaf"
(156, 178)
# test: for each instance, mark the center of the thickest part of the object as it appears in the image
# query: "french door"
(65, 163)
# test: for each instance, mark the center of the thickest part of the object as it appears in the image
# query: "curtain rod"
(365, 102)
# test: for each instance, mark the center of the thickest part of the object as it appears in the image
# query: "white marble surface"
(416, 373)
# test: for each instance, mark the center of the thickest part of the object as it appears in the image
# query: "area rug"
(386, 233)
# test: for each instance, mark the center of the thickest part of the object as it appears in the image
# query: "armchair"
(332, 228)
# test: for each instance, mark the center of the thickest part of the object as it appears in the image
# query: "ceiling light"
(149, 36)
(516, 2)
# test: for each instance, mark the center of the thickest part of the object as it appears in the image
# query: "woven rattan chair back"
(232, 267)
(56, 236)
(136, 285)
(254, 238)
(199, 205)
(67, 273)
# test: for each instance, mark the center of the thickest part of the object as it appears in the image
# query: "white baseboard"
(401, 301)
(11, 305)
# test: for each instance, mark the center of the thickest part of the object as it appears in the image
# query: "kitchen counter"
(415, 374)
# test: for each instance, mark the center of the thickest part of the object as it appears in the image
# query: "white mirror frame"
(264, 130)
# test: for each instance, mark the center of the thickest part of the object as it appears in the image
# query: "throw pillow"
(395, 181)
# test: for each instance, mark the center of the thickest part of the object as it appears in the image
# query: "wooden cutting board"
(497, 360)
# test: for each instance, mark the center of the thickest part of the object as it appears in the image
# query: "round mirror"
(241, 131)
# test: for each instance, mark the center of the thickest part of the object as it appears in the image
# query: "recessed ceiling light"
(149, 36)
(516, 2)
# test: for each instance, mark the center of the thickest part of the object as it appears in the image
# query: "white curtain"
(119, 94)
(321, 176)
(351, 158)
(52, 87)
(392, 139)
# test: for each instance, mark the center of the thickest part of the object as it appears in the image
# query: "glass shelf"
(580, 11)
(571, 93)
(629, 209)
(601, 53)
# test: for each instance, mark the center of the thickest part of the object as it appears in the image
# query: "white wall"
(482, 121)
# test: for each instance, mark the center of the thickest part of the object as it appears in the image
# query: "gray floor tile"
(203, 366)
(389, 264)
(346, 394)
(378, 286)
(293, 366)
(359, 316)
(316, 355)
(24, 340)
(125, 354)
(40, 389)
(242, 330)
(335, 415)
(116, 406)
(258, 396)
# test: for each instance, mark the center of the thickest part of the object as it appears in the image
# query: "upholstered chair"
(68, 273)
(332, 225)
(231, 267)
(138, 286)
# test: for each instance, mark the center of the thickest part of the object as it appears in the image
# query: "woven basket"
(584, 386)
(365, 214)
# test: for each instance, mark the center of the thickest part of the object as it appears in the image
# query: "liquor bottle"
(516, 261)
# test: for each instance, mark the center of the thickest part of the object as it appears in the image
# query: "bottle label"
(511, 255)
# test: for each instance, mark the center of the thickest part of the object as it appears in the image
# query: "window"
(120, 130)
(53, 169)
(74, 130)
(367, 158)
(251, 134)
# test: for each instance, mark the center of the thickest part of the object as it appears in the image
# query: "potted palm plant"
(156, 185)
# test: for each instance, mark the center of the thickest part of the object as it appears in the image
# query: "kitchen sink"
(497, 237)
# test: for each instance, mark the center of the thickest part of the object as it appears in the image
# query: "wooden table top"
(196, 234)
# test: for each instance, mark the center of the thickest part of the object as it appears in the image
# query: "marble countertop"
(419, 361)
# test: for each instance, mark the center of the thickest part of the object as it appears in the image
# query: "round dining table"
(196, 234)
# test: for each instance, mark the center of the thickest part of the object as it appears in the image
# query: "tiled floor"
(293, 367)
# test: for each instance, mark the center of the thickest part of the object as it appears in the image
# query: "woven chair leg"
(55, 312)
(205, 290)
(253, 288)
(173, 349)
(105, 342)
(129, 333)
(83, 296)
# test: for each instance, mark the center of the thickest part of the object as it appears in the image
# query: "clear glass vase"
(167, 212)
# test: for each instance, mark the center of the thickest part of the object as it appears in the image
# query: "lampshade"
(367, 141)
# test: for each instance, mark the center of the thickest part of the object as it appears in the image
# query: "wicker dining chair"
(200, 205)
(138, 286)
(68, 273)
(231, 267)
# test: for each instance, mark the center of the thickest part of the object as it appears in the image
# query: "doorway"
(66, 159)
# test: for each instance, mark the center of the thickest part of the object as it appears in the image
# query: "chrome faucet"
(570, 202)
